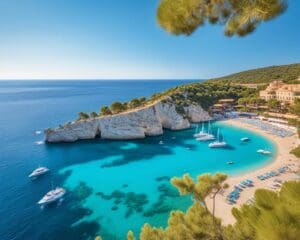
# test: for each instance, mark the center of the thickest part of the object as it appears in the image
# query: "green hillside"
(287, 73)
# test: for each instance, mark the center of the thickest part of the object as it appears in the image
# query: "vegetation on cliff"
(209, 92)
(287, 73)
(202, 93)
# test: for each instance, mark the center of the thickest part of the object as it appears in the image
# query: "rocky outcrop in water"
(139, 123)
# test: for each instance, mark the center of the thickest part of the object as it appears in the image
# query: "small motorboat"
(245, 139)
(265, 152)
(161, 142)
(52, 196)
(217, 144)
(229, 162)
(38, 172)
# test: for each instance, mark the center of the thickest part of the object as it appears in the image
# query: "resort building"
(223, 105)
(280, 91)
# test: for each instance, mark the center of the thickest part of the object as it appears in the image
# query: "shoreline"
(282, 158)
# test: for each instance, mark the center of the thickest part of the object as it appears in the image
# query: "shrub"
(83, 116)
(105, 111)
(117, 107)
(93, 115)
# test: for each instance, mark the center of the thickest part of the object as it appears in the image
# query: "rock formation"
(138, 123)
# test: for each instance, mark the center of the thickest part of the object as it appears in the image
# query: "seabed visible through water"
(127, 183)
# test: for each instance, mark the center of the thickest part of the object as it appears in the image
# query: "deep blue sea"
(112, 186)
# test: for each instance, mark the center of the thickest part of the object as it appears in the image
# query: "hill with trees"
(287, 73)
(209, 92)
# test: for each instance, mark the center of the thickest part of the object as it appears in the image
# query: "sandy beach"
(282, 158)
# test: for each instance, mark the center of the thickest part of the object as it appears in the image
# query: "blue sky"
(105, 39)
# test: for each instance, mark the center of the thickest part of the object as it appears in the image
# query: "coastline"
(282, 157)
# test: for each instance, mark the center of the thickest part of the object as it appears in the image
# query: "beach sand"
(283, 157)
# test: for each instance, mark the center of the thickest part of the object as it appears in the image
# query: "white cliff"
(169, 117)
(147, 121)
(130, 125)
(196, 113)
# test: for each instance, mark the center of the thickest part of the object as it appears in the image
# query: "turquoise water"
(144, 167)
(112, 186)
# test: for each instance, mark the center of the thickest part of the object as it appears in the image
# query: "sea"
(112, 186)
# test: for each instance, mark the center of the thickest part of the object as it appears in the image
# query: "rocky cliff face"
(148, 121)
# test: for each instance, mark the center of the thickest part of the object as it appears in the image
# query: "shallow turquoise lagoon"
(128, 184)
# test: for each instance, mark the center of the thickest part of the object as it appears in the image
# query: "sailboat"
(201, 133)
(208, 136)
(218, 143)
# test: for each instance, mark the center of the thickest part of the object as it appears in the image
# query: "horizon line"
(100, 79)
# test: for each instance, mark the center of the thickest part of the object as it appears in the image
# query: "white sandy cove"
(283, 157)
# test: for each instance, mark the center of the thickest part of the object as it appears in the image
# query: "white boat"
(229, 162)
(265, 152)
(52, 196)
(218, 143)
(208, 137)
(245, 139)
(39, 171)
(161, 142)
(205, 136)
(201, 133)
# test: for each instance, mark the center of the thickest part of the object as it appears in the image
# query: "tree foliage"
(287, 73)
(296, 107)
(83, 116)
(274, 105)
(240, 17)
(274, 216)
(93, 115)
(105, 111)
(134, 103)
(130, 235)
(117, 107)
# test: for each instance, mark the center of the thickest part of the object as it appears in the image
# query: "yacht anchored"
(207, 137)
(245, 139)
(201, 133)
(52, 196)
(218, 143)
(39, 171)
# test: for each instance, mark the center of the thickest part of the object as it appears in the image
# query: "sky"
(118, 39)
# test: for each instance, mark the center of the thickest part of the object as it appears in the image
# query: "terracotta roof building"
(281, 91)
